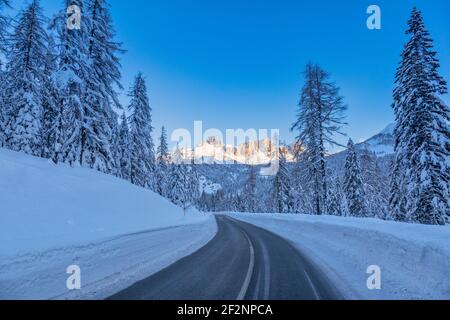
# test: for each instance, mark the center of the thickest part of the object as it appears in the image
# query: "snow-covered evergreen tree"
(163, 148)
(163, 159)
(141, 142)
(353, 184)
(96, 133)
(203, 202)
(4, 24)
(376, 185)
(421, 175)
(104, 50)
(178, 183)
(122, 149)
(52, 113)
(219, 201)
(234, 205)
(320, 117)
(334, 206)
(73, 70)
(114, 121)
(301, 189)
(24, 78)
(104, 75)
(193, 186)
(3, 108)
(282, 186)
(248, 196)
(178, 186)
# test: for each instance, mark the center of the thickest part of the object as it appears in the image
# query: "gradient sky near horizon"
(239, 63)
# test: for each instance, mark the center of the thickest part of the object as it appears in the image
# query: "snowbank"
(107, 266)
(414, 259)
(55, 216)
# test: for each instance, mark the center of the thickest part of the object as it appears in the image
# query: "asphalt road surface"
(242, 262)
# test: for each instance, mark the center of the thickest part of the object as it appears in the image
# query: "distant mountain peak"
(257, 152)
(389, 129)
(382, 144)
(262, 152)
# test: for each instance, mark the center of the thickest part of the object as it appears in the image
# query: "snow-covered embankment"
(52, 217)
(414, 259)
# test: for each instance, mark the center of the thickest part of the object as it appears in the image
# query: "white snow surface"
(389, 130)
(208, 186)
(55, 216)
(414, 259)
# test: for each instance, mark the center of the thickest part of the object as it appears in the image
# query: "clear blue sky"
(239, 63)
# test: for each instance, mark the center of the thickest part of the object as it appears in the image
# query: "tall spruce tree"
(421, 175)
(163, 148)
(301, 190)
(282, 186)
(24, 78)
(353, 184)
(3, 107)
(122, 149)
(114, 125)
(73, 70)
(334, 206)
(376, 185)
(2, 111)
(51, 117)
(178, 182)
(4, 24)
(193, 187)
(249, 199)
(319, 119)
(104, 50)
(104, 76)
(177, 191)
(141, 142)
(234, 203)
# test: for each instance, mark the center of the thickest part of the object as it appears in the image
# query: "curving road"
(242, 262)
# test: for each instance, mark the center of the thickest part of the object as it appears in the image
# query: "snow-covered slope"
(53, 216)
(44, 205)
(414, 259)
(208, 187)
(381, 144)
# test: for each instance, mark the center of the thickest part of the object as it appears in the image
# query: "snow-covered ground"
(55, 216)
(107, 266)
(52, 217)
(414, 259)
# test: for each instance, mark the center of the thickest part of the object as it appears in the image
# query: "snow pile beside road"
(55, 216)
(414, 259)
(44, 206)
(107, 266)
